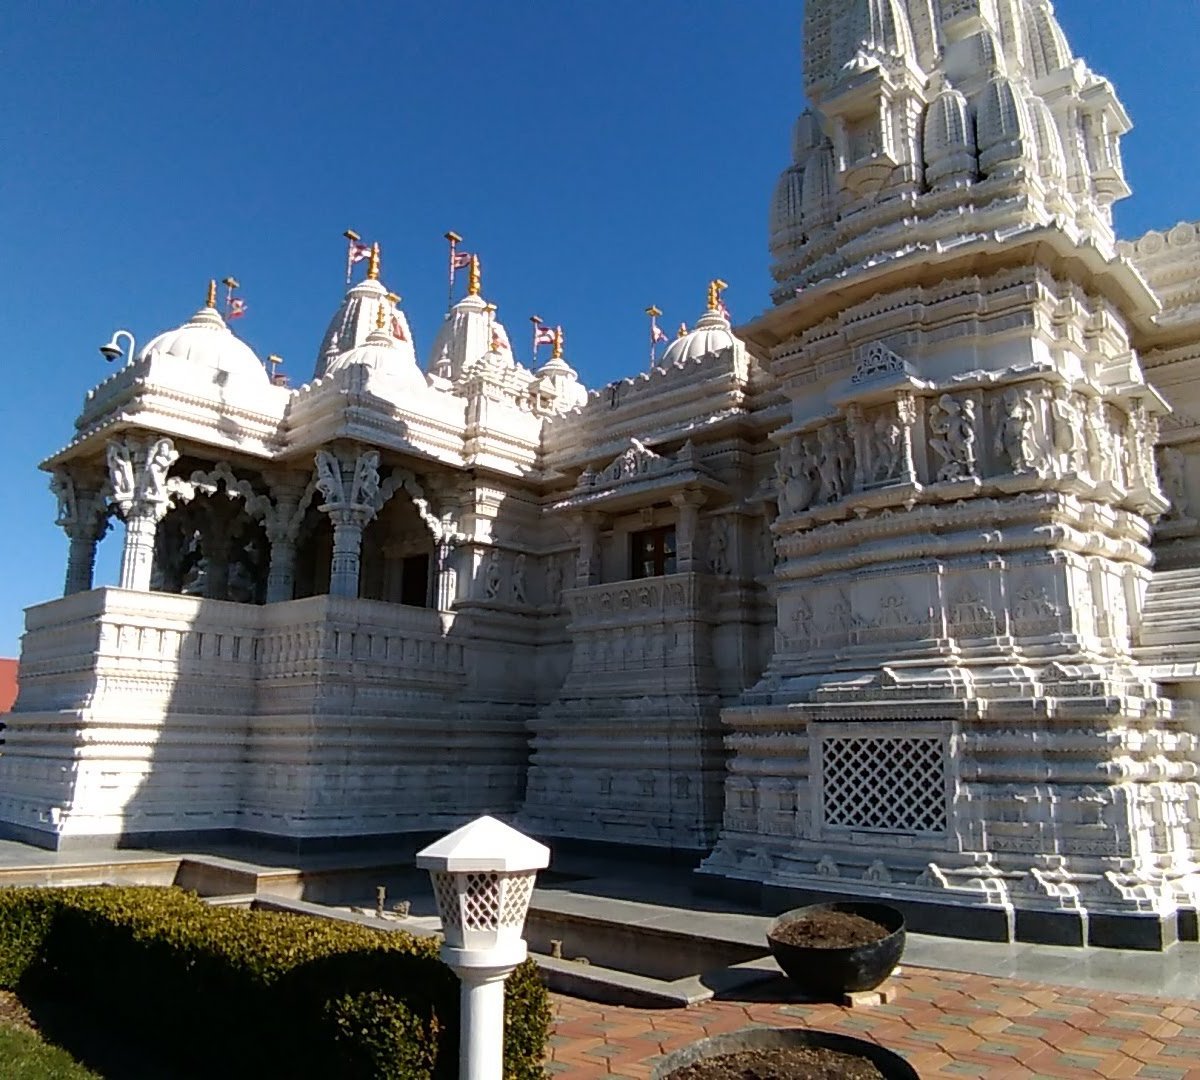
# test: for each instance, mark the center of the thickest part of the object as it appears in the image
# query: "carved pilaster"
(351, 490)
(82, 513)
(906, 413)
(858, 438)
(138, 474)
(688, 504)
(282, 523)
(588, 568)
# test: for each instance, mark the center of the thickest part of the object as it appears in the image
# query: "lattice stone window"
(883, 780)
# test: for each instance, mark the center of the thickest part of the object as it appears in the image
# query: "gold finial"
(381, 315)
(473, 280)
(373, 265)
(682, 331)
(558, 343)
(653, 311)
(394, 297)
(274, 360)
(715, 288)
(212, 294)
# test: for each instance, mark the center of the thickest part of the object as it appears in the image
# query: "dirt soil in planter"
(831, 930)
(793, 1063)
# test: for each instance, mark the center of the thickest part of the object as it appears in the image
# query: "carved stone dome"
(205, 340)
(1002, 128)
(949, 140)
(711, 334)
(384, 354)
(353, 323)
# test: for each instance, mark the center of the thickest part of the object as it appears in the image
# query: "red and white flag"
(237, 308)
(498, 342)
(724, 311)
(460, 260)
(398, 329)
(657, 335)
(356, 252)
(544, 335)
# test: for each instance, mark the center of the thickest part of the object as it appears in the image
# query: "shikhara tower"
(966, 485)
(886, 593)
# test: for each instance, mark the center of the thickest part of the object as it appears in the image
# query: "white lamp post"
(483, 877)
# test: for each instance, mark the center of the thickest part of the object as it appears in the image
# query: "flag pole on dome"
(656, 333)
(356, 251)
(235, 306)
(459, 260)
(544, 335)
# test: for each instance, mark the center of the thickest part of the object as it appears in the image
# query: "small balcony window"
(652, 553)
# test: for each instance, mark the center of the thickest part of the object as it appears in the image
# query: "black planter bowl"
(892, 1065)
(830, 973)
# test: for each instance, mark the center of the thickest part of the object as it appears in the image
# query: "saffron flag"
(237, 308)
(356, 252)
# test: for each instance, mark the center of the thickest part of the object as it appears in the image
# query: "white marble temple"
(860, 597)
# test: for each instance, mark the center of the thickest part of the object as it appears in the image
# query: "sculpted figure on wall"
(1171, 479)
(795, 471)
(718, 561)
(1015, 437)
(1101, 456)
(953, 422)
(520, 592)
(493, 578)
(554, 580)
(831, 463)
(887, 440)
(1069, 439)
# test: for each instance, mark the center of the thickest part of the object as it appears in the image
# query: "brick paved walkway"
(945, 1024)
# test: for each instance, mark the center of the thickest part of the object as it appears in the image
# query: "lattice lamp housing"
(483, 876)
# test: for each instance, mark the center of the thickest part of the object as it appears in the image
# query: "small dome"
(1046, 44)
(949, 141)
(711, 334)
(469, 331)
(785, 208)
(353, 323)
(806, 136)
(384, 353)
(205, 340)
(1002, 128)
(819, 185)
(1052, 161)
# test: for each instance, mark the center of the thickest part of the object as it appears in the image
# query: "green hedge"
(248, 993)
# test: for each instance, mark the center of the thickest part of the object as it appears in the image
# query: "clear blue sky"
(601, 156)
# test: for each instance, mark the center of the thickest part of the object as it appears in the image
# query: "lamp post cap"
(484, 844)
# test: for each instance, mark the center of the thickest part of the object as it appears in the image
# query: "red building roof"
(8, 684)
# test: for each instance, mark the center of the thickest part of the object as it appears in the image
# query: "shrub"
(256, 993)
(23, 1056)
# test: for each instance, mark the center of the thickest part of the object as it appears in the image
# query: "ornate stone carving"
(493, 580)
(796, 470)
(887, 444)
(875, 361)
(953, 422)
(1015, 433)
(1173, 481)
(1069, 439)
(520, 591)
(718, 558)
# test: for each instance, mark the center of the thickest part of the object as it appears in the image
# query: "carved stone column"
(587, 570)
(445, 574)
(350, 487)
(906, 413)
(81, 513)
(138, 473)
(282, 524)
(347, 552)
(688, 503)
(858, 438)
